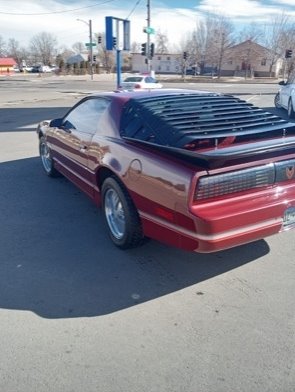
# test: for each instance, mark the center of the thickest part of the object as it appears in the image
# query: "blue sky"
(22, 19)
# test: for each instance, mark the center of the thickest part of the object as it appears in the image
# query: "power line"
(56, 12)
(133, 9)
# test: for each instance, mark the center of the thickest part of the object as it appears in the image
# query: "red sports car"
(197, 170)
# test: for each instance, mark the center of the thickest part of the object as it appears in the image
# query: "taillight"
(137, 86)
(232, 182)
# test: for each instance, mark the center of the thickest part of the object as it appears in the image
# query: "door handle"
(82, 148)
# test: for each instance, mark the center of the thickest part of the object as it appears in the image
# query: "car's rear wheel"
(277, 101)
(121, 216)
(291, 112)
(45, 155)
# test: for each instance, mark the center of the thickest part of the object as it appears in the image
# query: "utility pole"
(148, 35)
(91, 48)
(89, 45)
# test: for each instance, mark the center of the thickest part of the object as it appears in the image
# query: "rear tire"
(120, 214)
(291, 112)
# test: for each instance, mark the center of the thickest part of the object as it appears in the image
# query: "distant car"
(197, 170)
(285, 98)
(41, 69)
(46, 68)
(140, 82)
(28, 68)
(35, 69)
(193, 72)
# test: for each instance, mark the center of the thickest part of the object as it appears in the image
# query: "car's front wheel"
(120, 214)
(277, 101)
(291, 112)
(46, 159)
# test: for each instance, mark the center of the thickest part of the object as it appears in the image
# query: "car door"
(73, 138)
(150, 82)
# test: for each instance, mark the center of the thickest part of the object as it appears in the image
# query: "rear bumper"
(226, 223)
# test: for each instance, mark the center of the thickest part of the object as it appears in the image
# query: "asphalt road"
(77, 314)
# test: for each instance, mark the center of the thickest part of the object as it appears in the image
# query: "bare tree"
(43, 48)
(288, 43)
(252, 32)
(209, 42)
(161, 43)
(78, 47)
(106, 57)
(277, 38)
(14, 51)
(2, 47)
(221, 42)
(135, 47)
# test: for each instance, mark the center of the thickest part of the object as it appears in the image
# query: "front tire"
(120, 214)
(45, 155)
(291, 112)
(277, 101)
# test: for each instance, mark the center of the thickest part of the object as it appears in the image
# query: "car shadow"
(57, 260)
(25, 119)
(279, 112)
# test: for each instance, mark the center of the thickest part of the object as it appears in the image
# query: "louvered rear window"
(180, 119)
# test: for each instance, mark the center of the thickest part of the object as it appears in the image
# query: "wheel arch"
(103, 173)
(40, 134)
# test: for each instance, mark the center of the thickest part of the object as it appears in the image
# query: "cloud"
(175, 22)
(246, 10)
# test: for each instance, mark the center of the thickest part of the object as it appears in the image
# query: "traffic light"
(94, 59)
(99, 39)
(143, 49)
(184, 55)
(288, 53)
(114, 42)
(152, 50)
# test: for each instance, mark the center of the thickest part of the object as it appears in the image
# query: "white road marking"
(28, 126)
(253, 97)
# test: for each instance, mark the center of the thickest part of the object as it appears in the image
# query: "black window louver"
(179, 119)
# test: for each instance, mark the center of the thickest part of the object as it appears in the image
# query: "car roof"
(130, 94)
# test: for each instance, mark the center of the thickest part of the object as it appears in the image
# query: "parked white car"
(140, 82)
(285, 98)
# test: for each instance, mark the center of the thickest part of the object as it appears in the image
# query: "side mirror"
(56, 123)
(282, 83)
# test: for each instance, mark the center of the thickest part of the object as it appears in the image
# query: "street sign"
(120, 30)
(149, 30)
(90, 44)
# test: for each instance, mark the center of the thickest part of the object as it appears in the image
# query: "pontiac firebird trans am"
(197, 170)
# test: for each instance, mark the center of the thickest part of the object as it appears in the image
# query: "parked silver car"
(285, 98)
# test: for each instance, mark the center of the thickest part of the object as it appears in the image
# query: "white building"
(161, 63)
(244, 59)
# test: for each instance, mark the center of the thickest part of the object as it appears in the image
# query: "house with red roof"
(6, 65)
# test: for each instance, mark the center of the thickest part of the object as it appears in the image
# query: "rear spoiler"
(219, 157)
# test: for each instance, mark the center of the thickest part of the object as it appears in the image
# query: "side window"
(149, 79)
(85, 117)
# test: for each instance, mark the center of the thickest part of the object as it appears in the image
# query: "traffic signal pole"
(288, 55)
